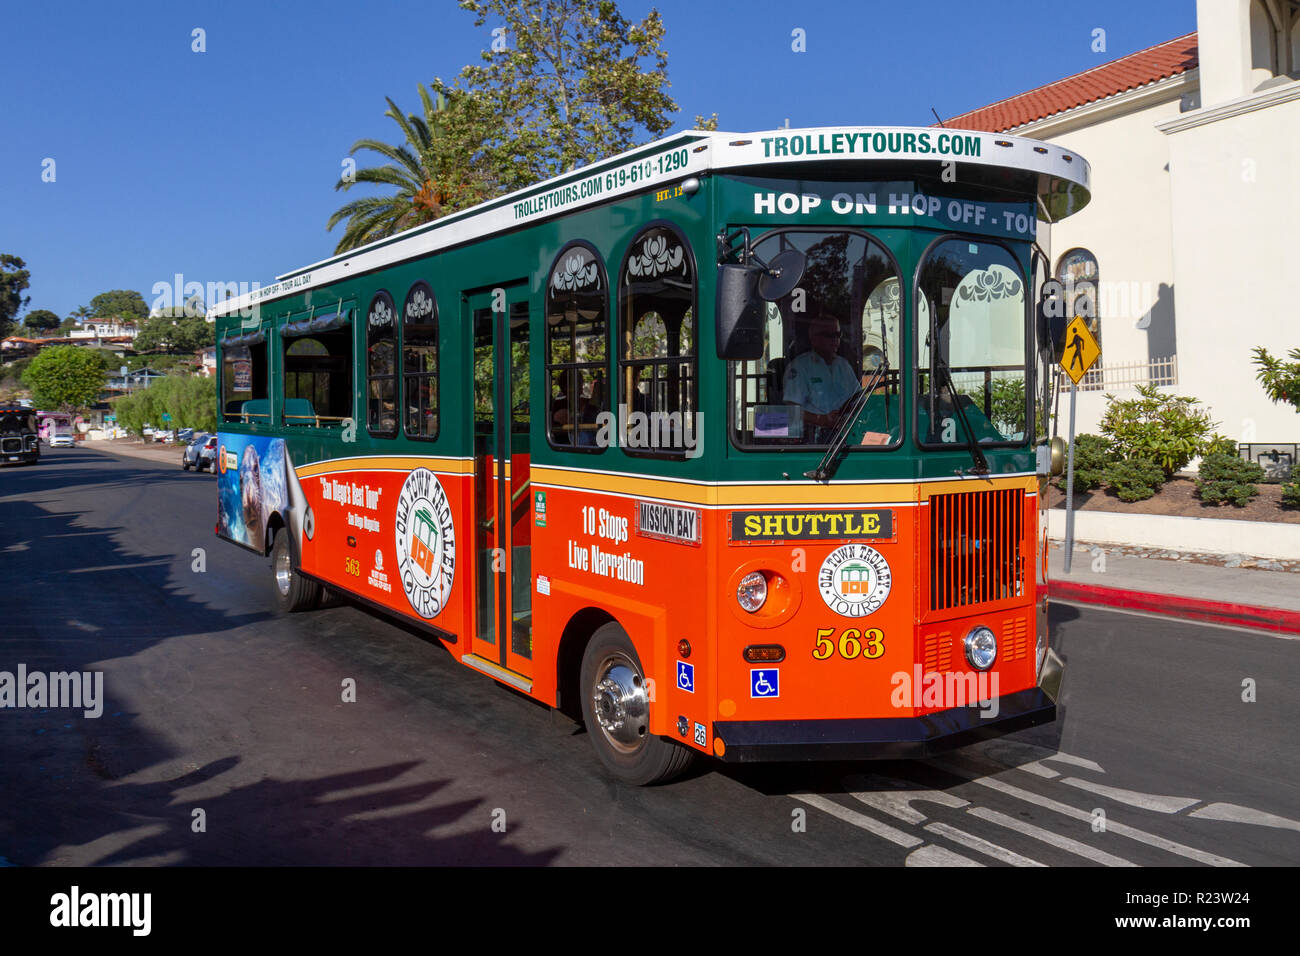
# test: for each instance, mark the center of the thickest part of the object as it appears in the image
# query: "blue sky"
(220, 165)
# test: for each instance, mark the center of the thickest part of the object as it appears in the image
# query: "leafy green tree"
(174, 333)
(14, 278)
(65, 377)
(190, 400)
(576, 82)
(119, 303)
(41, 320)
(432, 174)
(1281, 379)
(67, 325)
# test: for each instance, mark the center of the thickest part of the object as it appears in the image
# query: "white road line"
(938, 856)
(979, 844)
(884, 830)
(890, 795)
(1236, 814)
(1133, 833)
(1134, 798)
(1047, 836)
(1083, 762)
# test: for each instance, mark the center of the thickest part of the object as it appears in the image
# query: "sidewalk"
(168, 454)
(1245, 597)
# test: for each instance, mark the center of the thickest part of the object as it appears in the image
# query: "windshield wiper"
(945, 376)
(844, 424)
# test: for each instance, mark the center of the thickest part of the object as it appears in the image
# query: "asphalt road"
(224, 739)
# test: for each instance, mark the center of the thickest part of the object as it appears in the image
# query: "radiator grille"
(13, 444)
(1015, 640)
(976, 542)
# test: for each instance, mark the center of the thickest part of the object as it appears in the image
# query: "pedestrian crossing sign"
(1081, 350)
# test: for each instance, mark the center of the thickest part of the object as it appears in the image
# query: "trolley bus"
(731, 444)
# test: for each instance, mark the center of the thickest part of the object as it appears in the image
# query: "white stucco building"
(1191, 232)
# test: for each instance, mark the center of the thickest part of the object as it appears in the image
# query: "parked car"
(201, 453)
(186, 435)
(208, 455)
(190, 456)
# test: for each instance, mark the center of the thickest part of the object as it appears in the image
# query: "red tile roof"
(1127, 73)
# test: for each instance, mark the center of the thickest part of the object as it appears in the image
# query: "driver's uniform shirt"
(820, 388)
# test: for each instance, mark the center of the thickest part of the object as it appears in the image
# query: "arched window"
(577, 356)
(1078, 275)
(381, 366)
(658, 339)
(420, 362)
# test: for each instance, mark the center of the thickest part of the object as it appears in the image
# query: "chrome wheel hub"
(283, 573)
(621, 704)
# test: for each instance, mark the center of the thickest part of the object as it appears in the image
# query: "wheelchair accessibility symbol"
(765, 683)
(686, 677)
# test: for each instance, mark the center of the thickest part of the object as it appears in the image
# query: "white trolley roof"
(1060, 179)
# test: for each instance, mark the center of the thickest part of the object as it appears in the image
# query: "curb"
(1195, 609)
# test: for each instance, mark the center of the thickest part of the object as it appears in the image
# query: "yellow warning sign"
(1081, 350)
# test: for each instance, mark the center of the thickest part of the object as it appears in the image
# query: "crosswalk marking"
(1083, 762)
(1047, 836)
(979, 844)
(889, 795)
(1235, 814)
(931, 855)
(1134, 798)
(892, 834)
(1133, 833)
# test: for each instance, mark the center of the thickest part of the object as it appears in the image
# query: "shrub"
(1167, 429)
(1135, 479)
(1092, 456)
(1291, 490)
(1220, 445)
(1225, 478)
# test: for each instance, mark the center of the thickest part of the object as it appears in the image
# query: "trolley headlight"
(981, 648)
(751, 594)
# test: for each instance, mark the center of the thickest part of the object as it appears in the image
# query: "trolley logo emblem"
(425, 540)
(854, 580)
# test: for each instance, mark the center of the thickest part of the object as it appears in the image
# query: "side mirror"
(738, 313)
(1052, 319)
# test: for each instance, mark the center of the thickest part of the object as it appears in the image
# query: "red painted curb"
(1196, 609)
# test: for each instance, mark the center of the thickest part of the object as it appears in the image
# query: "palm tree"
(433, 176)
(80, 313)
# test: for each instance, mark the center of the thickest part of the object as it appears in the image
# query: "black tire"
(619, 725)
(293, 592)
(185, 463)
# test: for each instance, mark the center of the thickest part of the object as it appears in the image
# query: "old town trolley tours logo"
(854, 580)
(425, 539)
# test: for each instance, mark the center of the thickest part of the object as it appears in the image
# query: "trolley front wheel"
(616, 710)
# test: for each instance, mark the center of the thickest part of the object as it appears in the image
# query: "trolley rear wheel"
(293, 592)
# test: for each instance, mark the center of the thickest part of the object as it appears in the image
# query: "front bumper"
(890, 738)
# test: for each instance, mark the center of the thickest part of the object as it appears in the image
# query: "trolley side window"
(420, 362)
(657, 332)
(244, 396)
(381, 366)
(577, 358)
(318, 370)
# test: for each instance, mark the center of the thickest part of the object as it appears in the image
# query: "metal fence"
(1163, 371)
(1276, 459)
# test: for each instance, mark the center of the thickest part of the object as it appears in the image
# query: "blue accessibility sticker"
(686, 677)
(765, 683)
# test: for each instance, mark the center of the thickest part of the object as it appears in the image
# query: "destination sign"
(668, 522)
(810, 525)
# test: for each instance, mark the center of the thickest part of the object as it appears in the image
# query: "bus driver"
(820, 380)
